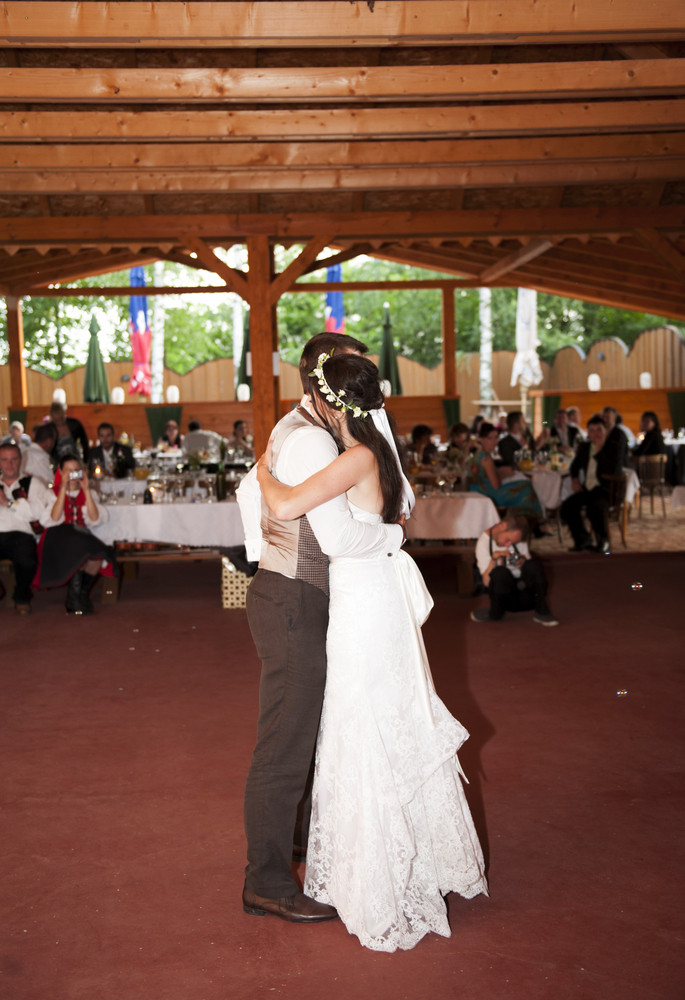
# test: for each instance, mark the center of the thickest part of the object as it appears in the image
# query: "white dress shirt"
(19, 515)
(304, 452)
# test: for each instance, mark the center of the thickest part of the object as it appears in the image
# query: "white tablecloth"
(213, 524)
(464, 515)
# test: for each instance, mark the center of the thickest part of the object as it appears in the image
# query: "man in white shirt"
(35, 461)
(287, 607)
(514, 581)
(25, 506)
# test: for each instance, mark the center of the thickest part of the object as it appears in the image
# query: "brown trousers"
(288, 620)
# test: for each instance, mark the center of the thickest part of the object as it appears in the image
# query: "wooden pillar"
(15, 338)
(263, 340)
(449, 343)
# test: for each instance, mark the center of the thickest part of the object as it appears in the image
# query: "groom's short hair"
(326, 343)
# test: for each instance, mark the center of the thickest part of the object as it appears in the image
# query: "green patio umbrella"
(95, 386)
(387, 360)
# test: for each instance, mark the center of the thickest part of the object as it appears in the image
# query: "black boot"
(88, 579)
(74, 602)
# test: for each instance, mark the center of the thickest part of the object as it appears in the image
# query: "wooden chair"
(652, 472)
(619, 509)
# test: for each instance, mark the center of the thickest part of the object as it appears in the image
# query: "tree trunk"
(485, 317)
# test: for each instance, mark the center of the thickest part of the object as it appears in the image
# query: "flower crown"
(328, 393)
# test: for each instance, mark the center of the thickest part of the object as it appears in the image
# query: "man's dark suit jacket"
(122, 459)
(572, 431)
(609, 460)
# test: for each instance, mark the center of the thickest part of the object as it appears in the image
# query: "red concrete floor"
(125, 741)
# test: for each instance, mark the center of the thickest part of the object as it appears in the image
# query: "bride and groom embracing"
(335, 611)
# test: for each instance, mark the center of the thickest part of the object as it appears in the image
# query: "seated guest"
(514, 581)
(422, 451)
(652, 442)
(595, 459)
(112, 457)
(17, 435)
(563, 432)
(71, 434)
(197, 440)
(239, 440)
(477, 421)
(25, 506)
(459, 445)
(36, 459)
(576, 421)
(616, 434)
(518, 436)
(68, 551)
(485, 478)
(171, 438)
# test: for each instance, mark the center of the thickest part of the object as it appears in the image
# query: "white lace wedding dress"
(391, 832)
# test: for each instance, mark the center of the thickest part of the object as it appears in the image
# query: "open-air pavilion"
(535, 143)
(525, 144)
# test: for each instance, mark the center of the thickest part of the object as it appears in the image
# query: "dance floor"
(125, 743)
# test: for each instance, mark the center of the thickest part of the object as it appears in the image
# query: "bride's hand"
(264, 463)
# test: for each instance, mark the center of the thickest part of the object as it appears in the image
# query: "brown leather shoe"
(299, 909)
(22, 609)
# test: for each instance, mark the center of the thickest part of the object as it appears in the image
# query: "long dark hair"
(358, 379)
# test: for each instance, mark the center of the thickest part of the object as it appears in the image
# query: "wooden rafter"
(434, 22)
(334, 84)
(515, 260)
(665, 250)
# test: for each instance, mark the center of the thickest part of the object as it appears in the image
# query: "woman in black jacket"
(652, 442)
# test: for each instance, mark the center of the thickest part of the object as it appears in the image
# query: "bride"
(391, 832)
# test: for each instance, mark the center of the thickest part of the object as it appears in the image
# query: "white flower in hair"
(328, 393)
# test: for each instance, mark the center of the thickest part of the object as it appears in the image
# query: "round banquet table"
(463, 515)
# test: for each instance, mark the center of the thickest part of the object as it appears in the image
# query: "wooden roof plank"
(283, 155)
(495, 120)
(314, 84)
(435, 22)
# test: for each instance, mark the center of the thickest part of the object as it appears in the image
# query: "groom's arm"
(307, 451)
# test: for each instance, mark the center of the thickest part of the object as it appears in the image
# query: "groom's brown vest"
(290, 547)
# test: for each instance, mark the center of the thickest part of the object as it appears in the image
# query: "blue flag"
(335, 310)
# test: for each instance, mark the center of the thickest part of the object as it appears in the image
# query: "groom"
(287, 610)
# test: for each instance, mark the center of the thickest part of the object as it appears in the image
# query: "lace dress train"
(391, 832)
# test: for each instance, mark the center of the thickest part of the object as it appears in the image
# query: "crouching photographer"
(514, 581)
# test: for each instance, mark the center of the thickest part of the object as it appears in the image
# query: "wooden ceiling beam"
(33, 274)
(222, 181)
(341, 84)
(515, 260)
(311, 24)
(285, 156)
(224, 228)
(235, 280)
(189, 127)
(664, 249)
(298, 266)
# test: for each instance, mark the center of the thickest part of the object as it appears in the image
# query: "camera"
(77, 474)
(513, 558)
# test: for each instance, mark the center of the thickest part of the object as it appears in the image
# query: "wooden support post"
(15, 339)
(263, 340)
(449, 343)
